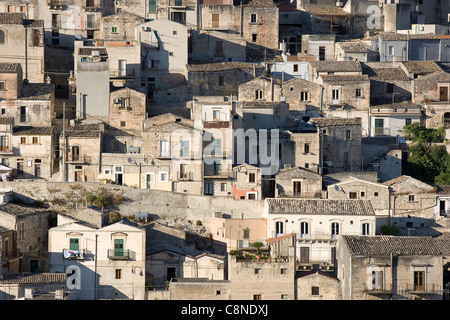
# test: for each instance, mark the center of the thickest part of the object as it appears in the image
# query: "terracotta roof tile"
(320, 207)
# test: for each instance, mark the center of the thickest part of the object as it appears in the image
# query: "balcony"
(118, 254)
(56, 4)
(378, 290)
(78, 159)
(70, 254)
(216, 124)
(91, 5)
(6, 150)
(122, 74)
(185, 176)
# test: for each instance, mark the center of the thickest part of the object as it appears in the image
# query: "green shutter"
(74, 244)
(118, 247)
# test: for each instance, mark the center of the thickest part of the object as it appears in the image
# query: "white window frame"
(161, 176)
(255, 193)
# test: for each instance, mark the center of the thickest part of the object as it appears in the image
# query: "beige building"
(80, 146)
(105, 263)
(318, 223)
(247, 182)
(390, 268)
(298, 182)
(29, 51)
(318, 285)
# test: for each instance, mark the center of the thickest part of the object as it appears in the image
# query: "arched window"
(365, 229)
(2, 37)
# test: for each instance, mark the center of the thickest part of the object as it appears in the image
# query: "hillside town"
(224, 150)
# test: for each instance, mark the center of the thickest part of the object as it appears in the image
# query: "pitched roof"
(382, 74)
(320, 207)
(19, 18)
(392, 36)
(302, 274)
(325, 10)
(167, 118)
(345, 77)
(397, 245)
(37, 91)
(353, 47)
(29, 130)
(333, 66)
(332, 122)
(221, 66)
(88, 130)
(420, 67)
(408, 184)
(397, 105)
(261, 3)
(25, 278)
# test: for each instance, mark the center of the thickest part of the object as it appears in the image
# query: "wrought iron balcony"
(6, 150)
(118, 254)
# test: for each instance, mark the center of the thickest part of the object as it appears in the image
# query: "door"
(219, 47)
(443, 94)
(377, 280)
(75, 153)
(304, 255)
(442, 207)
(297, 187)
(34, 264)
(118, 247)
(215, 20)
(150, 180)
(321, 53)
(335, 96)
(419, 280)
(78, 176)
(171, 273)
(37, 170)
(379, 127)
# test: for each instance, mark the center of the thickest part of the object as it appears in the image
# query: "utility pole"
(63, 171)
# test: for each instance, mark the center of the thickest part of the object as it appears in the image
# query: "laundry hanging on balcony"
(74, 254)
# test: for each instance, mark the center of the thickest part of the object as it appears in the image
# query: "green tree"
(258, 245)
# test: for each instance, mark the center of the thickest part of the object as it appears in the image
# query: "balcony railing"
(216, 124)
(55, 4)
(118, 254)
(378, 290)
(185, 176)
(70, 254)
(81, 158)
(6, 150)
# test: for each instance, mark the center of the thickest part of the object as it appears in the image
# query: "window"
(334, 229)
(251, 178)
(151, 6)
(257, 297)
(307, 148)
(2, 37)
(74, 244)
(118, 274)
(254, 37)
(10, 8)
(114, 29)
(283, 271)
(257, 271)
(279, 227)
(220, 80)
(223, 186)
(314, 291)
(184, 148)
(304, 96)
(322, 54)
(411, 197)
(174, 32)
(391, 50)
(35, 140)
(362, 194)
(365, 229)
(377, 280)
(163, 177)
(304, 229)
(23, 114)
(164, 148)
(284, 297)
(209, 188)
(348, 134)
(358, 93)
(295, 69)
(335, 95)
(375, 194)
(389, 88)
(258, 94)
(297, 188)
(171, 53)
(408, 121)
(253, 18)
(23, 140)
(183, 171)
(353, 195)
(246, 233)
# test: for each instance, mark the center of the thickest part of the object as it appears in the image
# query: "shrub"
(199, 223)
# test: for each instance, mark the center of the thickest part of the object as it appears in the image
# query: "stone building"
(340, 143)
(412, 203)
(81, 147)
(302, 95)
(390, 268)
(29, 104)
(298, 182)
(351, 51)
(99, 259)
(22, 41)
(358, 188)
(30, 226)
(247, 183)
(31, 286)
(172, 146)
(317, 224)
(220, 78)
(261, 88)
(33, 152)
(317, 285)
(321, 46)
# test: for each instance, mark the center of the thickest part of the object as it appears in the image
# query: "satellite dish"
(336, 188)
(129, 160)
